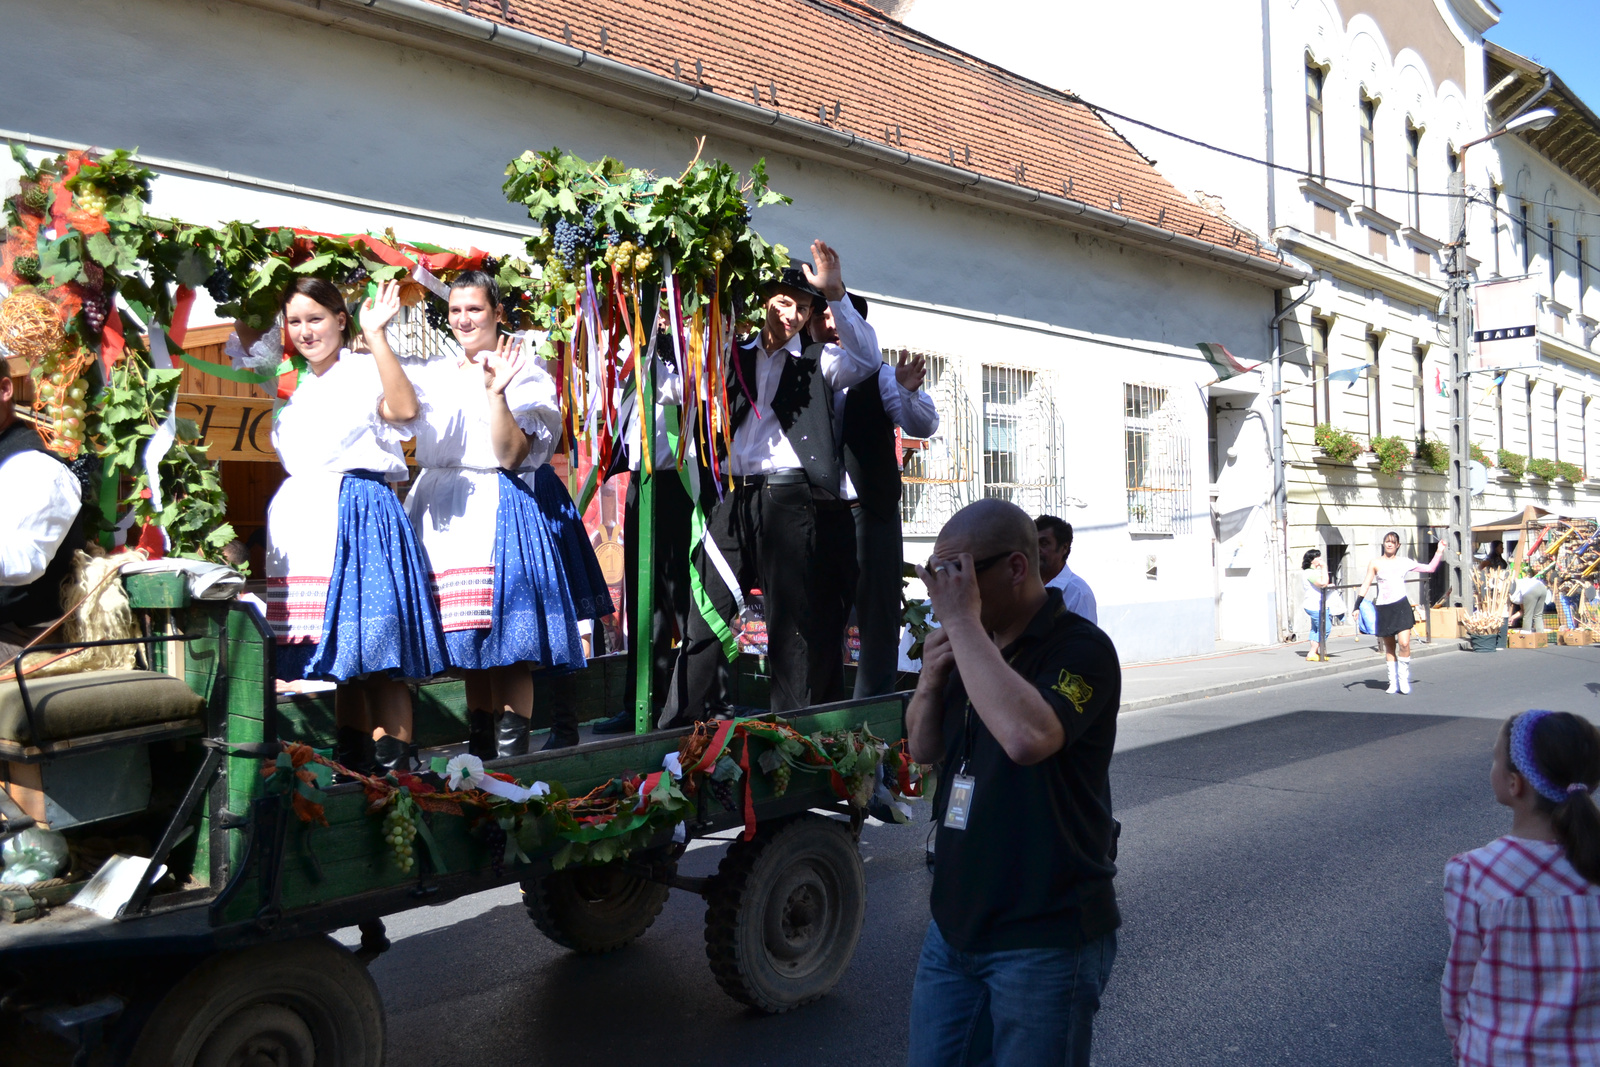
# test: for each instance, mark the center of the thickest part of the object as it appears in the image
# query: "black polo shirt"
(1033, 867)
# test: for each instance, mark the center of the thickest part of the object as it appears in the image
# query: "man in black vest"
(784, 461)
(867, 417)
(39, 528)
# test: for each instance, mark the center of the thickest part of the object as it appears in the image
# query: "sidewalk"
(1151, 685)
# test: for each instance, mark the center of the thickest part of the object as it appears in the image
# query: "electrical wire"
(1098, 109)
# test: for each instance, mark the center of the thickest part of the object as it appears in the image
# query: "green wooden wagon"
(226, 955)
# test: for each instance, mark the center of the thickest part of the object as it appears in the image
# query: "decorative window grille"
(1156, 453)
(937, 477)
(412, 338)
(1023, 447)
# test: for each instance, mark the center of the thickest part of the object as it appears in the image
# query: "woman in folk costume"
(488, 420)
(348, 594)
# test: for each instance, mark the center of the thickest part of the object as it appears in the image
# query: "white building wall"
(264, 96)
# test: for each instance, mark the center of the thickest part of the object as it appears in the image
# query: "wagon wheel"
(301, 1003)
(594, 909)
(785, 912)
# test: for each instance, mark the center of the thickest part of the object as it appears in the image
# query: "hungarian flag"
(1223, 362)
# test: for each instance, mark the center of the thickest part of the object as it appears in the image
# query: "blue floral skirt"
(534, 619)
(380, 616)
(590, 594)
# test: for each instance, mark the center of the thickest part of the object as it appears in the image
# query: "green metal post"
(644, 591)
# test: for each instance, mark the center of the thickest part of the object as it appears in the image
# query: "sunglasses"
(981, 565)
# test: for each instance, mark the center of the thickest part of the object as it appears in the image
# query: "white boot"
(1394, 678)
(1405, 675)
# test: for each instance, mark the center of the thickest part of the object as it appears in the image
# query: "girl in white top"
(1395, 616)
(488, 420)
(347, 584)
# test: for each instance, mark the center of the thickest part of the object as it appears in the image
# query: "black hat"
(792, 277)
(859, 303)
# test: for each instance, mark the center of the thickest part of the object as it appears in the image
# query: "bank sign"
(1505, 324)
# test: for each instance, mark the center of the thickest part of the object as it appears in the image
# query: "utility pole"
(1458, 545)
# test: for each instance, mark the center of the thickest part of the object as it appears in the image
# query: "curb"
(1299, 674)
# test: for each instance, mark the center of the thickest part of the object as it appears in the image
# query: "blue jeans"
(1016, 1008)
(1316, 627)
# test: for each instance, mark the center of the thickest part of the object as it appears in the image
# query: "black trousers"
(768, 537)
(671, 606)
(880, 552)
(832, 596)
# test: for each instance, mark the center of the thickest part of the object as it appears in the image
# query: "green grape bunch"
(399, 830)
(780, 779)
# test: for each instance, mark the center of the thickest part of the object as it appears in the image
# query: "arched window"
(1413, 184)
(1316, 157)
(1369, 152)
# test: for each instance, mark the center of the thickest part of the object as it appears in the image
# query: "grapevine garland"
(622, 814)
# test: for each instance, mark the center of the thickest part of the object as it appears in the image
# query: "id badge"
(955, 813)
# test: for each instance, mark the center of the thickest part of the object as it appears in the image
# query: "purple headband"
(1522, 759)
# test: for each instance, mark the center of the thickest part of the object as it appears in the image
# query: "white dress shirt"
(43, 498)
(669, 395)
(759, 445)
(911, 410)
(1076, 596)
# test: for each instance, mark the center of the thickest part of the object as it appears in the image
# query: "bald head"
(989, 527)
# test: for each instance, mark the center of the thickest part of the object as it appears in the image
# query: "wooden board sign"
(238, 429)
(234, 428)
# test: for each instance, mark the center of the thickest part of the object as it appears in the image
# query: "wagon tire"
(785, 912)
(594, 910)
(301, 1003)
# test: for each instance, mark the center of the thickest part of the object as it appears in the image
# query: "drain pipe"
(1280, 483)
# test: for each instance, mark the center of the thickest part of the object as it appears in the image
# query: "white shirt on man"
(911, 410)
(1076, 596)
(759, 445)
(44, 498)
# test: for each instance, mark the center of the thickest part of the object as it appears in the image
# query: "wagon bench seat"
(94, 702)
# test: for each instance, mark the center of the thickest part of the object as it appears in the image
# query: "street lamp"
(1459, 543)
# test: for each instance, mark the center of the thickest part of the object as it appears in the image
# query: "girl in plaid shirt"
(1522, 982)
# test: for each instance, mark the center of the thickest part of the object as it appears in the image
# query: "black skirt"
(1395, 618)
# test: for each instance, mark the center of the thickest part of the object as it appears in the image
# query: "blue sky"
(1561, 34)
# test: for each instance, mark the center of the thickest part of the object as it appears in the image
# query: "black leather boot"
(481, 734)
(563, 729)
(511, 735)
(395, 756)
(353, 749)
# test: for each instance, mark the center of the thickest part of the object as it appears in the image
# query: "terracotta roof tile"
(892, 85)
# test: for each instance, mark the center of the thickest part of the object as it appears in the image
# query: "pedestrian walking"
(1018, 698)
(1527, 597)
(1395, 614)
(1521, 984)
(1314, 577)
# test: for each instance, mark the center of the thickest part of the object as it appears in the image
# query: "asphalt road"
(1280, 863)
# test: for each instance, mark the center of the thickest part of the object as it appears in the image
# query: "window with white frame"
(1023, 448)
(1316, 158)
(1156, 461)
(1374, 385)
(1321, 393)
(1413, 185)
(1369, 157)
(1550, 252)
(1005, 391)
